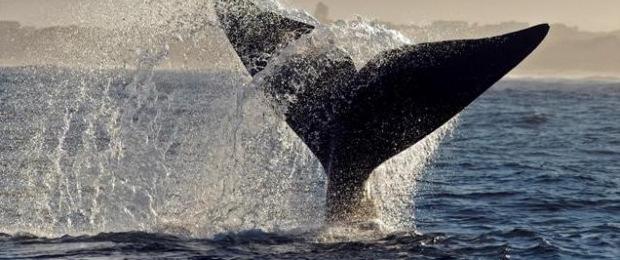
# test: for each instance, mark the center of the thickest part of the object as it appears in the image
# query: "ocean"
(168, 165)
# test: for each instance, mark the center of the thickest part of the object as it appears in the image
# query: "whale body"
(354, 120)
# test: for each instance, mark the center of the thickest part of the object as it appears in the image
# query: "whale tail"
(257, 34)
(353, 120)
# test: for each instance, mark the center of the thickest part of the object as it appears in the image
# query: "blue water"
(531, 171)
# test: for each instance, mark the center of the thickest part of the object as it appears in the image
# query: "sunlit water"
(529, 171)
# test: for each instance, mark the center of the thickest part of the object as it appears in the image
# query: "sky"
(593, 15)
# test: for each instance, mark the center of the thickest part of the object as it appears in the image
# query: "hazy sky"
(597, 15)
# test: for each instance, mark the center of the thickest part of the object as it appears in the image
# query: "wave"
(259, 244)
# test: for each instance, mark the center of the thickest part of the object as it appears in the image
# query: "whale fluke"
(405, 94)
(354, 121)
(257, 34)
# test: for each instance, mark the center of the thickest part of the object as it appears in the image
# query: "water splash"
(121, 151)
(394, 183)
(105, 140)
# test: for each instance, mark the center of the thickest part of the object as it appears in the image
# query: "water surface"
(531, 171)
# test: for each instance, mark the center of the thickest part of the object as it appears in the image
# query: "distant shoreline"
(567, 53)
(509, 77)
